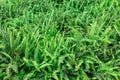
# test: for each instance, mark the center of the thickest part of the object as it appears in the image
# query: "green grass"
(60, 40)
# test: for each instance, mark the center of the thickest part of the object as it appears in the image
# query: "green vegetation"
(59, 40)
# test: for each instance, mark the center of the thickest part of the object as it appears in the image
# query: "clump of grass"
(59, 39)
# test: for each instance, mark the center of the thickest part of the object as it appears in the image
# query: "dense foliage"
(59, 40)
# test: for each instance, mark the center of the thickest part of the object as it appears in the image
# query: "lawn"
(59, 39)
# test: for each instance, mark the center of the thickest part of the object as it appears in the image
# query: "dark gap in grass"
(63, 28)
(111, 45)
(89, 74)
(58, 1)
(38, 75)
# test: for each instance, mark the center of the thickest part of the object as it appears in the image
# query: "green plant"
(59, 39)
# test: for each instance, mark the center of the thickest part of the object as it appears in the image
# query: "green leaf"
(7, 55)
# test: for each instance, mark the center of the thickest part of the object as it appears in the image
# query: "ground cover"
(59, 40)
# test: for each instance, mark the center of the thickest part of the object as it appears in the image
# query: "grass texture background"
(60, 40)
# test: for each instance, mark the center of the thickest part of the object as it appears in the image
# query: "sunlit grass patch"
(59, 39)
